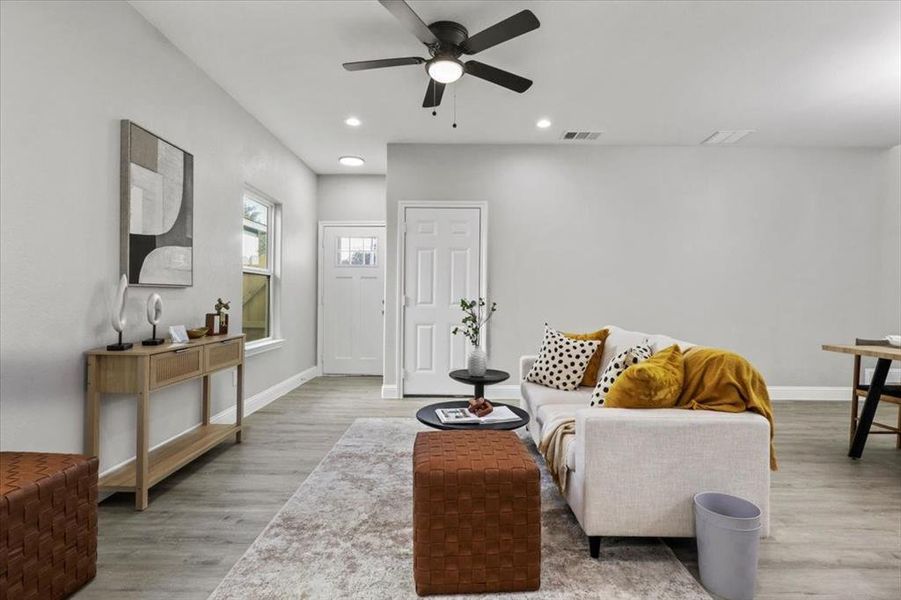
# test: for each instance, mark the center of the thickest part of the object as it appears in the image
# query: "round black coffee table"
(490, 377)
(426, 415)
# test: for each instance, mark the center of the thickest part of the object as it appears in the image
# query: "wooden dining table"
(884, 356)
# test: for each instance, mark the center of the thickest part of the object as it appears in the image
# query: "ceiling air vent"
(580, 136)
(727, 136)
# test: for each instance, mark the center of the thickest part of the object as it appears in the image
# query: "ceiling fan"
(446, 41)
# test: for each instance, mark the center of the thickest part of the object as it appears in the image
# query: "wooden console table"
(144, 369)
(884, 355)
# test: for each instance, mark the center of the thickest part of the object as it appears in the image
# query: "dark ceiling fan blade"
(362, 65)
(498, 76)
(433, 94)
(409, 19)
(518, 24)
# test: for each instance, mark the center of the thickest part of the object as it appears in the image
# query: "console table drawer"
(222, 355)
(178, 365)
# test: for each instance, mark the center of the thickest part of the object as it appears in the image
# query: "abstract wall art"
(157, 210)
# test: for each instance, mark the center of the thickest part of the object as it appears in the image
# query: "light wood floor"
(836, 522)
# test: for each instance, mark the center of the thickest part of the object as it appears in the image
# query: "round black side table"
(427, 416)
(490, 377)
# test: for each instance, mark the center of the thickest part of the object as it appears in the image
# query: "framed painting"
(156, 247)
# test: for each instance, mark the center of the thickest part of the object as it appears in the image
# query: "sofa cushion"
(620, 339)
(549, 415)
(653, 383)
(617, 366)
(562, 361)
(535, 396)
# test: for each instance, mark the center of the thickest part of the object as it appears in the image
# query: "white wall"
(891, 236)
(70, 72)
(767, 251)
(351, 197)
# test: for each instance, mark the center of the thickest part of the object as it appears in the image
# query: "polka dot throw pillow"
(561, 361)
(615, 368)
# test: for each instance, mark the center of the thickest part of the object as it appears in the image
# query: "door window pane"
(255, 306)
(357, 251)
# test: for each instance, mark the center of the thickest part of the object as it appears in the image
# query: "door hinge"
(403, 227)
(406, 301)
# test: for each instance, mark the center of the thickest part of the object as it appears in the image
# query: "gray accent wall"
(769, 252)
(70, 72)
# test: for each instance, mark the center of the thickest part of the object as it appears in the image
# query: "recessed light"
(351, 161)
(543, 124)
(353, 121)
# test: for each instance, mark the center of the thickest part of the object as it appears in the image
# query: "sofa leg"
(594, 545)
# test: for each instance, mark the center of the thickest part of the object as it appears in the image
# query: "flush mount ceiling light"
(351, 161)
(543, 124)
(353, 122)
(445, 69)
(727, 136)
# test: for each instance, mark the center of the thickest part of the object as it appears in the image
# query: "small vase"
(477, 362)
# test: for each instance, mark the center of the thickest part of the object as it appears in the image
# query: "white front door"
(353, 275)
(442, 262)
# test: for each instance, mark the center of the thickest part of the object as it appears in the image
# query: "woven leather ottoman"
(476, 513)
(48, 524)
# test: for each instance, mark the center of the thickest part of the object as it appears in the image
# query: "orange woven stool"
(476, 513)
(48, 524)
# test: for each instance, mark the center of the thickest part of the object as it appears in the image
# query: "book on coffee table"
(459, 416)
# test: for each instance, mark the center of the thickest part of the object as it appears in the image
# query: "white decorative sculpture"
(154, 312)
(117, 314)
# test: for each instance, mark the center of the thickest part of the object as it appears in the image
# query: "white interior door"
(442, 262)
(352, 299)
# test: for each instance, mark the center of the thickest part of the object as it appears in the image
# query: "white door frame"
(402, 207)
(320, 282)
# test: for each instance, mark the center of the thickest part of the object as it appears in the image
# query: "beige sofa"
(633, 472)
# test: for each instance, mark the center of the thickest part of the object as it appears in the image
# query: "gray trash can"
(728, 532)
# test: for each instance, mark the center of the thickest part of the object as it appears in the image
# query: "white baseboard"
(267, 396)
(777, 392)
(251, 405)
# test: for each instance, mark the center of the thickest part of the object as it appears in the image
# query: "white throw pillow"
(615, 368)
(561, 361)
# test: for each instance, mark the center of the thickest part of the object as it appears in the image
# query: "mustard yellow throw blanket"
(724, 381)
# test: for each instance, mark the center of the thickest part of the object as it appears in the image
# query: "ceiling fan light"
(445, 70)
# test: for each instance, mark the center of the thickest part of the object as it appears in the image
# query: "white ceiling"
(663, 73)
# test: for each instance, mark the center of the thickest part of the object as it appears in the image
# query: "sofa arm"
(639, 469)
(525, 365)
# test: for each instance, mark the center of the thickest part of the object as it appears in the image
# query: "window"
(357, 251)
(259, 243)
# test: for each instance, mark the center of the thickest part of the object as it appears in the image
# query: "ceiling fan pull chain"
(455, 107)
(434, 88)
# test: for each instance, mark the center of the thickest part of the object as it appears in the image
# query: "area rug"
(347, 533)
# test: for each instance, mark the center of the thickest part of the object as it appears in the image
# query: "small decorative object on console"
(476, 315)
(197, 332)
(154, 312)
(217, 322)
(178, 334)
(117, 314)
